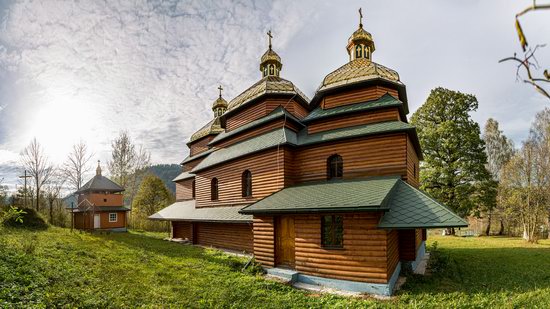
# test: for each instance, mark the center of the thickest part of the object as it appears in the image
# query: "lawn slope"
(58, 268)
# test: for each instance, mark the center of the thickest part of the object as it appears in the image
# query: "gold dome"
(211, 128)
(358, 70)
(270, 55)
(219, 103)
(360, 36)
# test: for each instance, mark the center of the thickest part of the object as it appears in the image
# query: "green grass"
(54, 268)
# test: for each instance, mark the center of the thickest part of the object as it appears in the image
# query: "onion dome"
(360, 67)
(213, 127)
(270, 63)
(271, 83)
(220, 105)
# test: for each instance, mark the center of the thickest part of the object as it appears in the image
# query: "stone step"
(288, 275)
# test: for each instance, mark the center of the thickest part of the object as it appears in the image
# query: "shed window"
(335, 167)
(113, 217)
(332, 231)
(193, 189)
(247, 184)
(214, 189)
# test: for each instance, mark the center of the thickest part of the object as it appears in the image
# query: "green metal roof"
(183, 176)
(261, 142)
(341, 195)
(386, 100)
(404, 206)
(100, 183)
(412, 208)
(279, 112)
(200, 155)
(282, 136)
(186, 211)
(356, 131)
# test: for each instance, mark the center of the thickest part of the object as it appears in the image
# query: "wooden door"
(285, 241)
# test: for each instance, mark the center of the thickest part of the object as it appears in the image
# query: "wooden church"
(100, 205)
(323, 190)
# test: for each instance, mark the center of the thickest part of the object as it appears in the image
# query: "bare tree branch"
(36, 163)
(77, 164)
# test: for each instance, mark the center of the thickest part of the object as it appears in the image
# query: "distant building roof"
(403, 205)
(100, 183)
(186, 211)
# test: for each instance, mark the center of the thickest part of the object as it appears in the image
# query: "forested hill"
(166, 172)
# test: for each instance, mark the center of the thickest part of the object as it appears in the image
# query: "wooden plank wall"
(264, 240)
(387, 114)
(104, 220)
(200, 145)
(267, 178)
(183, 230)
(257, 131)
(364, 256)
(102, 199)
(392, 243)
(234, 236)
(364, 94)
(261, 109)
(184, 190)
(412, 161)
(407, 245)
(373, 156)
(191, 165)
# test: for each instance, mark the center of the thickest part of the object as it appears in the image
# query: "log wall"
(364, 94)
(200, 145)
(363, 118)
(184, 190)
(413, 165)
(234, 236)
(407, 244)
(262, 108)
(363, 157)
(191, 165)
(267, 178)
(368, 255)
(257, 131)
(183, 230)
(101, 199)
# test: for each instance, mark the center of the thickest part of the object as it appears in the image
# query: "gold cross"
(220, 88)
(360, 18)
(270, 37)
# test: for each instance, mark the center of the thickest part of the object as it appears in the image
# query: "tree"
(76, 165)
(127, 165)
(53, 189)
(528, 63)
(454, 156)
(36, 163)
(151, 197)
(3, 194)
(540, 137)
(499, 150)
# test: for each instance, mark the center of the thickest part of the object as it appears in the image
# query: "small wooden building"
(321, 190)
(100, 205)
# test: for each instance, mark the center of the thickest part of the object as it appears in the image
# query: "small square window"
(113, 217)
(332, 231)
(105, 200)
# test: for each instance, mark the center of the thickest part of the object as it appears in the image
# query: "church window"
(214, 189)
(247, 184)
(359, 51)
(335, 167)
(332, 231)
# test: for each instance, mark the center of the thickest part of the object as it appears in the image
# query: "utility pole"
(25, 176)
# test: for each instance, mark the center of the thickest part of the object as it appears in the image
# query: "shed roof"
(183, 176)
(386, 100)
(186, 211)
(403, 205)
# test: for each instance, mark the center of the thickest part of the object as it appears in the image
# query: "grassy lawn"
(56, 268)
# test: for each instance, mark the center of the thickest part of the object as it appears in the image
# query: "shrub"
(28, 219)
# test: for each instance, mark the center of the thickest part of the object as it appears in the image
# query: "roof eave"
(314, 210)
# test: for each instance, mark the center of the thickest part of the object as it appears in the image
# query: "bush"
(30, 220)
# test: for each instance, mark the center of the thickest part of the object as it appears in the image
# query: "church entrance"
(284, 248)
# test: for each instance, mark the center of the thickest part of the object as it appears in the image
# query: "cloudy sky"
(85, 70)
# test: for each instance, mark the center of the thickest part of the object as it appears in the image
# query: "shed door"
(285, 241)
(97, 221)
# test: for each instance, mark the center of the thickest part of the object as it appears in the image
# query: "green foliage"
(136, 270)
(151, 197)
(454, 156)
(166, 172)
(26, 218)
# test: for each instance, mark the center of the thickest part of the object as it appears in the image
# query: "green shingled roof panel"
(279, 112)
(183, 176)
(186, 211)
(271, 139)
(341, 195)
(386, 100)
(412, 208)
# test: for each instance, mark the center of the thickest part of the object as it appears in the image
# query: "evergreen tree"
(454, 169)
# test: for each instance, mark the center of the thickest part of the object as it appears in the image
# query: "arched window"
(265, 71)
(214, 189)
(247, 184)
(359, 51)
(367, 52)
(271, 69)
(335, 167)
(193, 189)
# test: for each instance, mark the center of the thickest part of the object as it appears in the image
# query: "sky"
(86, 70)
